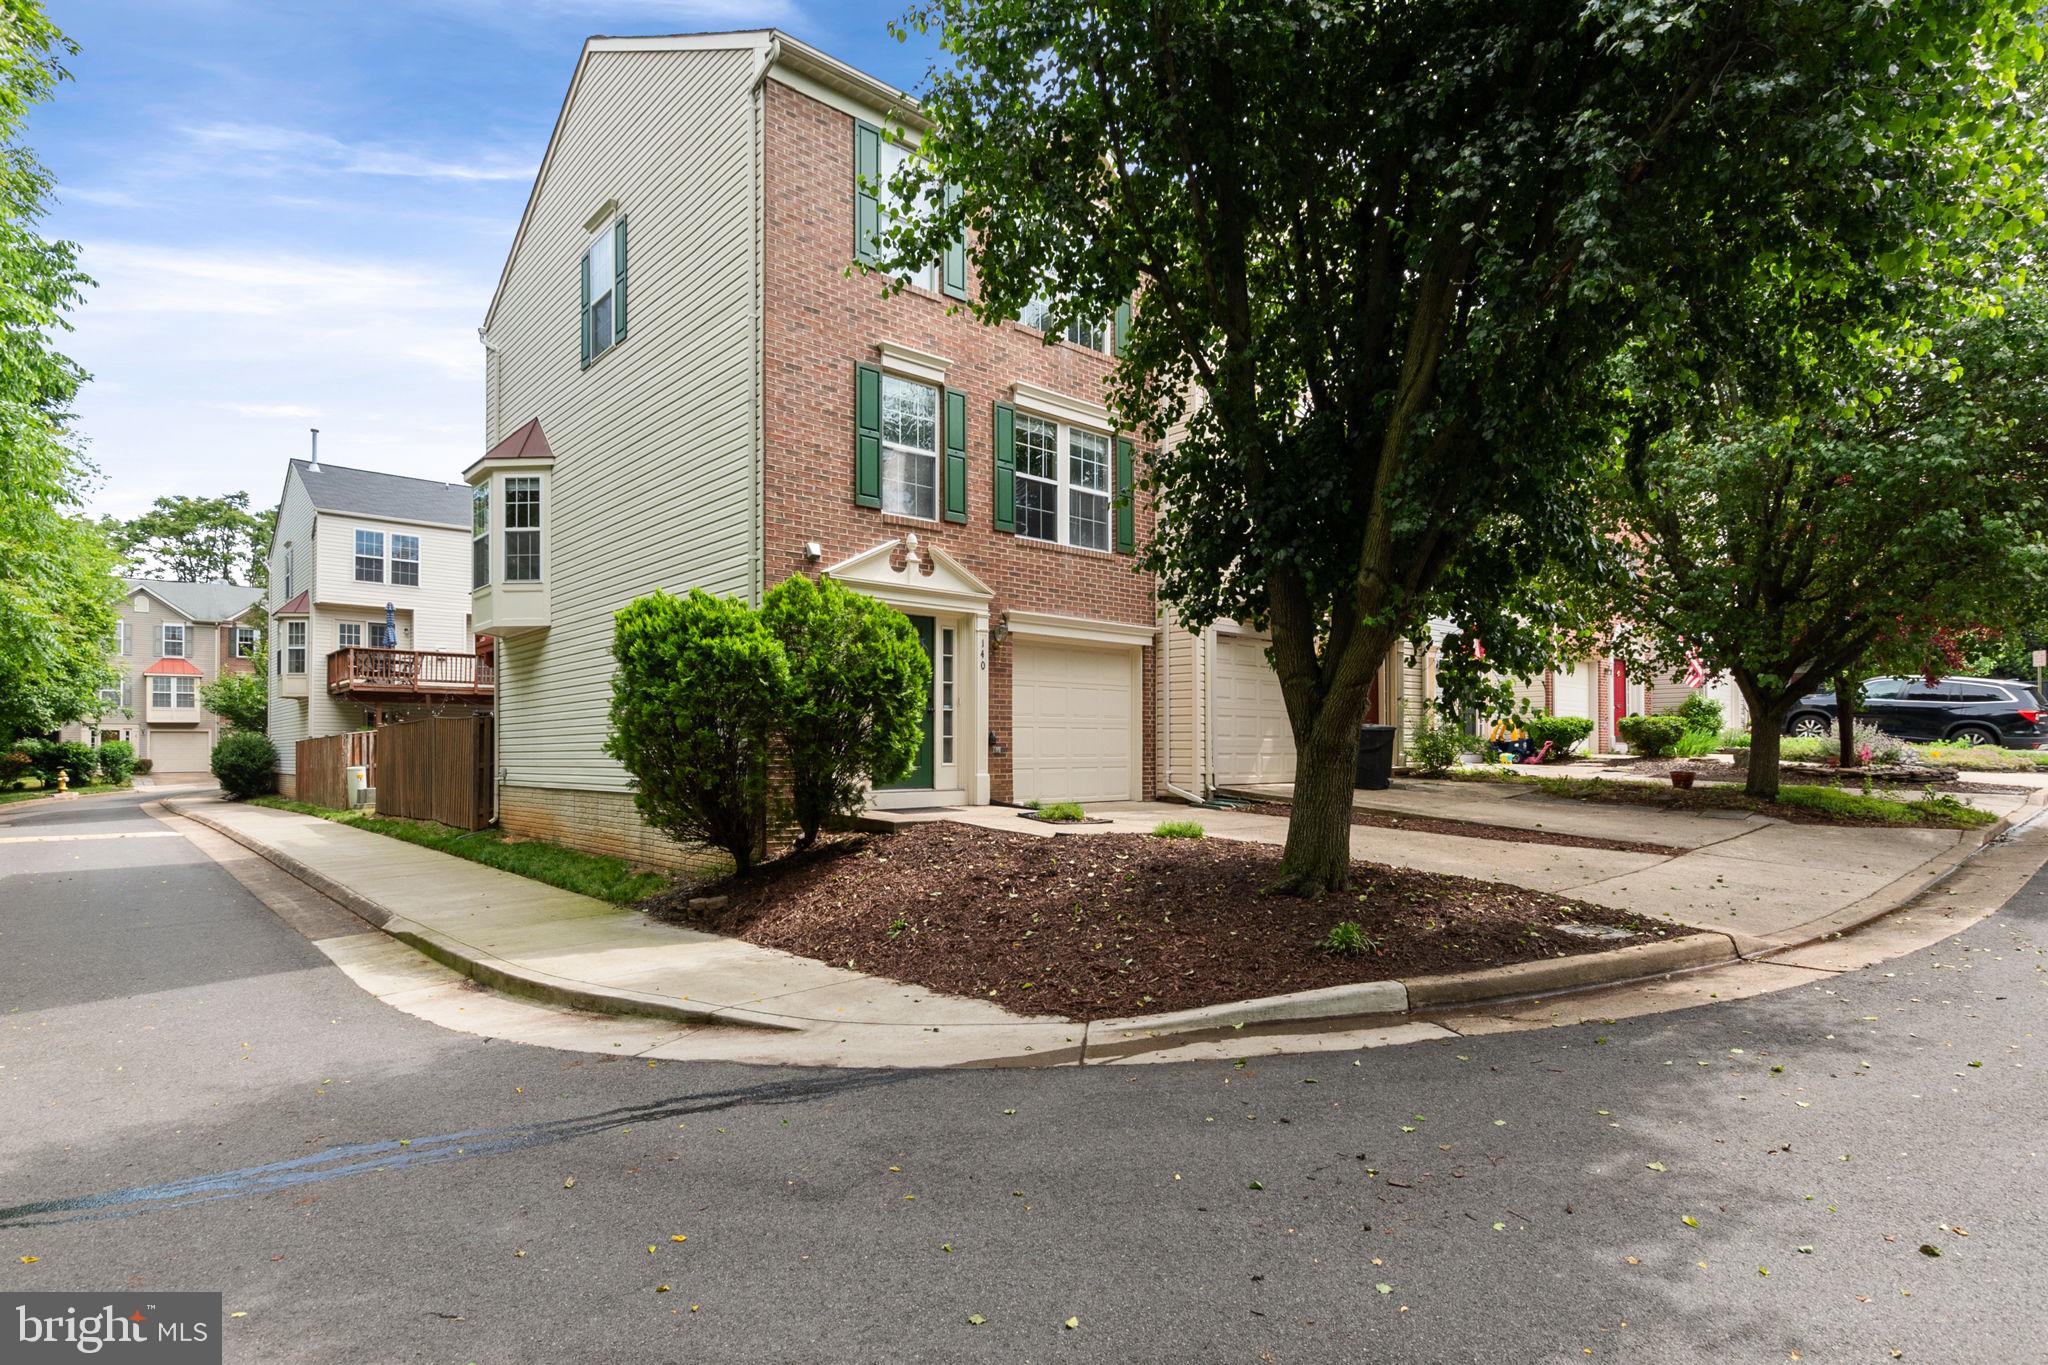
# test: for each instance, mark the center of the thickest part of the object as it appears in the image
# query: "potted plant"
(1681, 778)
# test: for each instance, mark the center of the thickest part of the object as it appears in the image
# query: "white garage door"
(1250, 737)
(1072, 722)
(180, 751)
(1574, 690)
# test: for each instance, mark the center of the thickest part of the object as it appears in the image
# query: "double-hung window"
(604, 290)
(349, 634)
(110, 697)
(1063, 483)
(173, 642)
(369, 556)
(910, 448)
(522, 529)
(405, 561)
(295, 646)
(1096, 336)
(126, 635)
(894, 157)
(480, 533)
(166, 693)
(245, 642)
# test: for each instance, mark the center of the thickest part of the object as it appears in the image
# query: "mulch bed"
(1100, 926)
(1472, 829)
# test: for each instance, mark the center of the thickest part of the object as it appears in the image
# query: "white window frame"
(127, 637)
(480, 536)
(110, 697)
(290, 557)
(894, 155)
(185, 691)
(1065, 487)
(342, 630)
(532, 519)
(1034, 315)
(164, 637)
(398, 540)
(160, 692)
(294, 650)
(902, 453)
(245, 642)
(602, 286)
(948, 689)
(363, 560)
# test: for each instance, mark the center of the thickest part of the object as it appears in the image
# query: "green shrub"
(860, 689)
(14, 765)
(43, 758)
(245, 763)
(1801, 749)
(1347, 939)
(1062, 810)
(1696, 744)
(1435, 745)
(77, 758)
(116, 761)
(1735, 739)
(699, 686)
(240, 699)
(1700, 713)
(143, 765)
(1651, 736)
(1179, 829)
(1560, 732)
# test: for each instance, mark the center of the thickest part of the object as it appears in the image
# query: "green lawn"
(587, 874)
(1845, 807)
(36, 793)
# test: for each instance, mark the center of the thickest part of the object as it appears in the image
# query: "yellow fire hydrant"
(63, 780)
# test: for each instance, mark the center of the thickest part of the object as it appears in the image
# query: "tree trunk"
(1845, 720)
(1317, 858)
(1765, 730)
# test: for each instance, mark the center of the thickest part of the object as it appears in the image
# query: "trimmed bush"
(116, 761)
(245, 764)
(1560, 732)
(1435, 745)
(1700, 713)
(14, 765)
(143, 765)
(1651, 736)
(700, 685)
(860, 688)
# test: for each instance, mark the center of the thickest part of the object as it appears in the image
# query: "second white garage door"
(1251, 738)
(1574, 690)
(180, 751)
(1073, 722)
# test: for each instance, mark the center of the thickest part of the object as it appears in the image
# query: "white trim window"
(1095, 336)
(405, 561)
(348, 634)
(168, 693)
(480, 536)
(127, 637)
(245, 642)
(369, 556)
(894, 157)
(910, 448)
(290, 559)
(522, 529)
(294, 652)
(1062, 484)
(946, 694)
(172, 641)
(601, 328)
(110, 697)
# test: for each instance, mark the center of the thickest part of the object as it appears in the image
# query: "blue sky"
(296, 213)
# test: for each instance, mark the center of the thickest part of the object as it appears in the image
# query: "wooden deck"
(409, 674)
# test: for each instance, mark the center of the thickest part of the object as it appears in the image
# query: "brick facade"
(819, 322)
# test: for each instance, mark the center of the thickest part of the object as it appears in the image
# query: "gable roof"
(776, 49)
(213, 601)
(393, 497)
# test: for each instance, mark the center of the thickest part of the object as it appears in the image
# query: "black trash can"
(1375, 757)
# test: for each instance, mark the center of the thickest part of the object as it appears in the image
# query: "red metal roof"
(529, 442)
(180, 667)
(298, 606)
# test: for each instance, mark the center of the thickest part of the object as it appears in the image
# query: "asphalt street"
(192, 1097)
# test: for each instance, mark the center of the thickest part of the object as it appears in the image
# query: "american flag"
(1695, 671)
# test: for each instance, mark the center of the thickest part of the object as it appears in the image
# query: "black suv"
(1957, 710)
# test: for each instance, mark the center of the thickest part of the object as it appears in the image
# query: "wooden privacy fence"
(436, 769)
(323, 766)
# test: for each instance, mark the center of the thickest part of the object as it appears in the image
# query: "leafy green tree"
(1381, 255)
(240, 699)
(188, 539)
(1789, 539)
(699, 687)
(860, 692)
(57, 573)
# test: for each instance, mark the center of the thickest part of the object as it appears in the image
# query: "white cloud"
(271, 149)
(268, 409)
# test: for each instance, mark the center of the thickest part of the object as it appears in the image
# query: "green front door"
(920, 774)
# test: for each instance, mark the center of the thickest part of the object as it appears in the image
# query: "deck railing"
(408, 672)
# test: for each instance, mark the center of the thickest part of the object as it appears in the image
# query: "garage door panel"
(1071, 723)
(1573, 690)
(177, 751)
(1249, 733)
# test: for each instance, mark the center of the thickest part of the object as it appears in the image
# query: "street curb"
(457, 956)
(1329, 1002)
(1706, 948)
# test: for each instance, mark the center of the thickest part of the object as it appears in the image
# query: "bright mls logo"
(164, 1329)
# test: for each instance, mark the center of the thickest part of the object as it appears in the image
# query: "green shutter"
(953, 269)
(1123, 325)
(955, 488)
(867, 436)
(583, 313)
(619, 279)
(1005, 425)
(867, 179)
(1126, 513)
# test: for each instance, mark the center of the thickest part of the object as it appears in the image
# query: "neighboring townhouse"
(173, 639)
(689, 386)
(353, 550)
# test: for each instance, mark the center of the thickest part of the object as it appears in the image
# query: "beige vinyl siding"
(656, 459)
(1181, 712)
(437, 609)
(1415, 694)
(288, 719)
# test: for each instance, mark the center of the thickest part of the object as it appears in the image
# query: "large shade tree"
(1792, 533)
(1382, 251)
(57, 584)
(196, 539)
